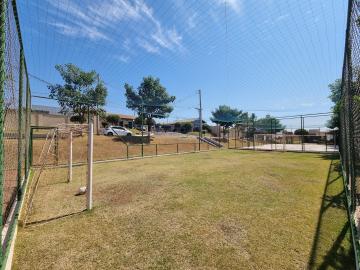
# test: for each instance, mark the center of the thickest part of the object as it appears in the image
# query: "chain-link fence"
(113, 147)
(14, 119)
(298, 133)
(350, 117)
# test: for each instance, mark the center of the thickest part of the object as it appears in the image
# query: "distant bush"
(301, 132)
(78, 119)
(177, 126)
(113, 119)
(186, 128)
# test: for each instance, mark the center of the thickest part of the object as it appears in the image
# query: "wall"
(45, 119)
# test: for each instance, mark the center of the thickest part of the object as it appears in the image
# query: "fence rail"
(349, 107)
(108, 148)
(15, 106)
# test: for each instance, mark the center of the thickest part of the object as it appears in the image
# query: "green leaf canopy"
(81, 91)
(150, 100)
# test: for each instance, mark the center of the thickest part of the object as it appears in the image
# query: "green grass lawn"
(212, 210)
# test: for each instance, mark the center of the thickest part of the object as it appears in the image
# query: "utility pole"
(142, 129)
(200, 118)
(200, 113)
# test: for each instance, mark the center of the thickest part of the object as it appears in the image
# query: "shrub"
(186, 128)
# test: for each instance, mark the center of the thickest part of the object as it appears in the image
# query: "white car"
(117, 130)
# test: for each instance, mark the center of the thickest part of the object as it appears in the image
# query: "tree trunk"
(149, 121)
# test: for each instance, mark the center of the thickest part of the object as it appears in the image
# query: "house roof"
(125, 116)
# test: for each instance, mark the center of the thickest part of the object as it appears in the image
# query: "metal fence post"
(326, 143)
(2, 107)
(156, 149)
(271, 133)
(90, 167)
(302, 133)
(177, 148)
(275, 134)
(31, 147)
(70, 172)
(228, 138)
(127, 151)
(254, 134)
(235, 136)
(20, 124)
(27, 128)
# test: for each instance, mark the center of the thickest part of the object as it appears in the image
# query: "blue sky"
(262, 56)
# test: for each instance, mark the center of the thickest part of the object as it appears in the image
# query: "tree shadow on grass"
(332, 245)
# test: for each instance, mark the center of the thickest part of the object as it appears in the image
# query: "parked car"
(117, 130)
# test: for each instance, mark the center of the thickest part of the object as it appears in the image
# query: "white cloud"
(123, 58)
(191, 21)
(100, 19)
(168, 39)
(148, 47)
(127, 44)
(235, 5)
(79, 31)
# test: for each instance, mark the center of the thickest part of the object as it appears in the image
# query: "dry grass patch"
(213, 210)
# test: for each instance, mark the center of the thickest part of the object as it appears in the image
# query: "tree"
(186, 128)
(81, 93)
(113, 119)
(269, 124)
(150, 100)
(177, 126)
(335, 97)
(225, 116)
(249, 122)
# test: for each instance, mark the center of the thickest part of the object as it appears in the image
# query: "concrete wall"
(45, 119)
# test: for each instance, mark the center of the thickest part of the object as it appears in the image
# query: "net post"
(326, 147)
(89, 201)
(271, 133)
(235, 136)
(2, 108)
(20, 122)
(228, 138)
(70, 172)
(56, 147)
(254, 134)
(27, 127)
(31, 147)
(275, 134)
(254, 148)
